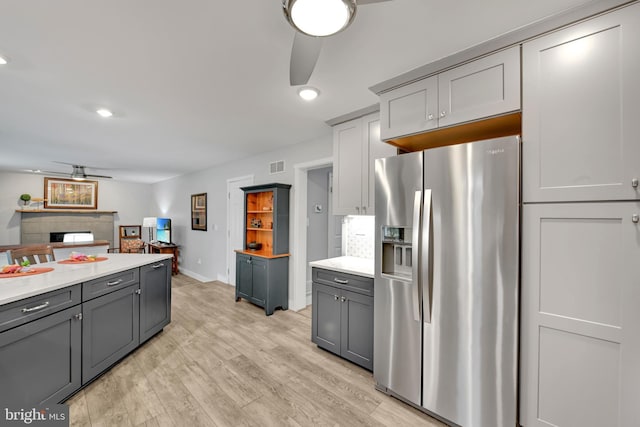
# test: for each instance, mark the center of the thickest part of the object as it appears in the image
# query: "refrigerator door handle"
(415, 255)
(425, 242)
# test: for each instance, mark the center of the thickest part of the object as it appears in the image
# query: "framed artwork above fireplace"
(60, 193)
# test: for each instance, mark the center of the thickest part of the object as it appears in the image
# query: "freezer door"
(470, 343)
(397, 344)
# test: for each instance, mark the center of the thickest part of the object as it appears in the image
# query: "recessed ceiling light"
(103, 112)
(308, 93)
(3, 60)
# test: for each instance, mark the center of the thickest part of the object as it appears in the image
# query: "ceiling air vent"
(276, 167)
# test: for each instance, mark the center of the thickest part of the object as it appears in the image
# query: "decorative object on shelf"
(60, 193)
(150, 222)
(37, 201)
(199, 211)
(255, 246)
(256, 223)
(25, 198)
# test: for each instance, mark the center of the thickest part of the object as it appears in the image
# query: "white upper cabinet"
(486, 87)
(409, 109)
(581, 111)
(356, 144)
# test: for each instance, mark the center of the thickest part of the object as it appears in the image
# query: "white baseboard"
(195, 275)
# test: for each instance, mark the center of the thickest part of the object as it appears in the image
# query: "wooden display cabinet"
(262, 275)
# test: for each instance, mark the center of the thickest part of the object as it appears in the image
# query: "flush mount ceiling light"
(308, 93)
(103, 112)
(319, 18)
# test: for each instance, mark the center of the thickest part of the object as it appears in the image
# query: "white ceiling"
(197, 83)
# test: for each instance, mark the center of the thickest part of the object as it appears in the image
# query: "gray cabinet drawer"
(350, 282)
(107, 284)
(20, 312)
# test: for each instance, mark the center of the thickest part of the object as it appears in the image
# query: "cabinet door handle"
(343, 299)
(116, 282)
(634, 182)
(138, 291)
(443, 113)
(78, 316)
(155, 267)
(336, 297)
(36, 308)
(635, 218)
(430, 117)
(341, 281)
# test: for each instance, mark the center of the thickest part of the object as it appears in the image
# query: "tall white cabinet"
(356, 144)
(580, 302)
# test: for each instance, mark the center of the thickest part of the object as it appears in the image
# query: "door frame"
(230, 258)
(298, 286)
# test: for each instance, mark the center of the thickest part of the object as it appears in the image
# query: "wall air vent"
(276, 167)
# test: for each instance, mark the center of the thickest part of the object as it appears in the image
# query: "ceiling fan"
(78, 173)
(313, 20)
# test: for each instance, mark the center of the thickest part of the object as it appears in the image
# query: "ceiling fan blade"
(89, 175)
(363, 2)
(304, 55)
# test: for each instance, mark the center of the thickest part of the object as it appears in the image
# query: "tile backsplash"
(358, 236)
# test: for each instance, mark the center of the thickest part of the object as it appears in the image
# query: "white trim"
(298, 286)
(195, 275)
(225, 277)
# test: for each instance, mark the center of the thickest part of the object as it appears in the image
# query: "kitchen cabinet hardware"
(78, 316)
(36, 308)
(443, 113)
(114, 283)
(158, 266)
(634, 182)
(341, 281)
(138, 292)
(430, 117)
(336, 297)
(635, 218)
(343, 298)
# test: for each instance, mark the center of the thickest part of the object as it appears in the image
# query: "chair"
(33, 254)
(130, 246)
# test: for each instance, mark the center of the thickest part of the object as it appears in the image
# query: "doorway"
(322, 233)
(235, 222)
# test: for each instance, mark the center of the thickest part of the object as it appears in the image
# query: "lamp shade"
(150, 221)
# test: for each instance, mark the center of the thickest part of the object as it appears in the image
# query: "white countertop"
(63, 275)
(347, 264)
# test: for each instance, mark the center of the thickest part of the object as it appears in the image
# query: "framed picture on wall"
(199, 211)
(60, 193)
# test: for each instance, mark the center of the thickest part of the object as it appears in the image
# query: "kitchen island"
(61, 329)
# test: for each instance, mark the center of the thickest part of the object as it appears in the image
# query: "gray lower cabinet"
(342, 315)
(155, 298)
(263, 281)
(111, 330)
(40, 360)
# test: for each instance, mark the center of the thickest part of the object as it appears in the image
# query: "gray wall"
(132, 201)
(172, 198)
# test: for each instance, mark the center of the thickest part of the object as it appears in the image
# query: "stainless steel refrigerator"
(446, 280)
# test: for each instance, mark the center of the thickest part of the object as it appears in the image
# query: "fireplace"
(44, 227)
(58, 236)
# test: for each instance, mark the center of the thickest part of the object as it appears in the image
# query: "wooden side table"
(164, 248)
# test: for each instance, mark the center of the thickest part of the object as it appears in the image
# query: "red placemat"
(89, 261)
(32, 272)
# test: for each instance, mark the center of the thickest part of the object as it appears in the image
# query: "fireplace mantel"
(80, 211)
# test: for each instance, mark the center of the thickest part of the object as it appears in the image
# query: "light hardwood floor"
(222, 363)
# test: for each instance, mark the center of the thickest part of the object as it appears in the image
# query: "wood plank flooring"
(222, 363)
